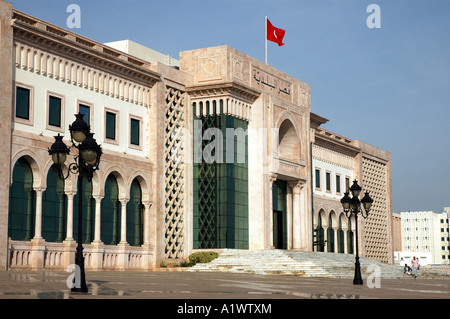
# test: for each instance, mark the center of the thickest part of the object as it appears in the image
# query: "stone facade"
(145, 205)
(339, 160)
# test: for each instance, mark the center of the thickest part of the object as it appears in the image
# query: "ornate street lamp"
(86, 162)
(352, 206)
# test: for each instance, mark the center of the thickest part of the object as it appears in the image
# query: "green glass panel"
(87, 211)
(54, 111)
(54, 208)
(84, 109)
(135, 215)
(134, 132)
(221, 191)
(110, 210)
(23, 103)
(111, 125)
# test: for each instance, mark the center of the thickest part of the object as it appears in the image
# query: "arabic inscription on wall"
(272, 84)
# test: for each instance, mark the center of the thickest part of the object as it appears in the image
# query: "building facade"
(337, 161)
(426, 233)
(216, 150)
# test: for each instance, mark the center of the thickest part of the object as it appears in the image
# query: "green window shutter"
(134, 132)
(328, 181)
(54, 111)
(84, 109)
(317, 178)
(23, 103)
(111, 125)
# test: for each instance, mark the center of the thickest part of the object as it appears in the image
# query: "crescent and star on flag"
(274, 34)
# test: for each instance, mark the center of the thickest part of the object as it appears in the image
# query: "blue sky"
(389, 87)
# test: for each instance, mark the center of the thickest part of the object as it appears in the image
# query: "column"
(38, 243)
(123, 221)
(325, 234)
(345, 229)
(296, 216)
(147, 223)
(97, 234)
(69, 231)
(148, 250)
(336, 247)
(38, 224)
(290, 226)
(97, 245)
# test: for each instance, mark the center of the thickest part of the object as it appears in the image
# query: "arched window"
(54, 208)
(319, 234)
(22, 202)
(110, 210)
(88, 206)
(340, 237)
(135, 210)
(330, 235)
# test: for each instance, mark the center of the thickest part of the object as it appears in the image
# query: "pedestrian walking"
(415, 265)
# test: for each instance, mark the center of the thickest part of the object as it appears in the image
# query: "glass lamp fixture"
(90, 151)
(59, 151)
(79, 129)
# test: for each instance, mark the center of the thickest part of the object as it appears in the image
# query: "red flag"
(275, 34)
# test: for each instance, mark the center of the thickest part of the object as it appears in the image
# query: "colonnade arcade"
(333, 232)
(43, 207)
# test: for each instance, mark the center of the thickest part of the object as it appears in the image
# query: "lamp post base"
(357, 280)
(80, 276)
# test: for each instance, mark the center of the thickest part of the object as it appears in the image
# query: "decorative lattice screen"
(174, 174)
(375, 226)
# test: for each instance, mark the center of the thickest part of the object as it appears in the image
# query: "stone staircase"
(304, 264)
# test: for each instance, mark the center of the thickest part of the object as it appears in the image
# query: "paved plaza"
(203, 285)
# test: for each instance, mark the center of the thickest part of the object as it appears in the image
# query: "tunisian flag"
(275, 34)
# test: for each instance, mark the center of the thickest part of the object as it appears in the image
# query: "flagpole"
(266, 37)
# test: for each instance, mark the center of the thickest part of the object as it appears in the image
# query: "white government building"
(141, 207)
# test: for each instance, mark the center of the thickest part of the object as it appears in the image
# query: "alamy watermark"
(213, 145)
(74, 19)
(74, 279)
(374, 278)
(374, 19)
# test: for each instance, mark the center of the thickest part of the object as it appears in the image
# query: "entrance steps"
(303, 264)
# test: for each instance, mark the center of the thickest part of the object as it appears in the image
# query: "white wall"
(333, 169)
(72, 94)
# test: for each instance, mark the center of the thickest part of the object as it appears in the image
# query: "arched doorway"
(22, 202)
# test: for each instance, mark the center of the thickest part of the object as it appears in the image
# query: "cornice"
(54, 39)
(237, 90)
(336, 142)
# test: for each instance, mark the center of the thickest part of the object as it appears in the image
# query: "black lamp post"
(352, 206)
(86, 162)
